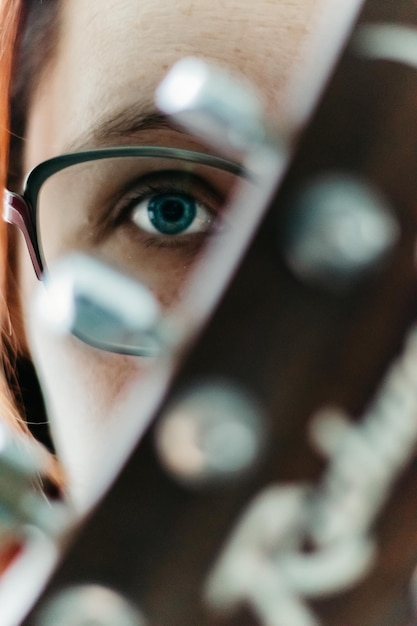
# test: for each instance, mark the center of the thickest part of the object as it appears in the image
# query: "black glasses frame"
(21, 209)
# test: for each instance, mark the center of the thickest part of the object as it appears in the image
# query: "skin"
(112, 54)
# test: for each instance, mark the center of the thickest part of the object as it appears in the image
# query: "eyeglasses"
(145, 209)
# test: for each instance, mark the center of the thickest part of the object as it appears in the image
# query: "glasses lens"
(149, 217)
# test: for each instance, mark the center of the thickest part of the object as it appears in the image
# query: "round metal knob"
(89, 605)
(214, 432)
(338, 228)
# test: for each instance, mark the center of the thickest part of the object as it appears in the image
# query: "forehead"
(113, 53)
(149, 34)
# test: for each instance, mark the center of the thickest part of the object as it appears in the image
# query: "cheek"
(81, 387)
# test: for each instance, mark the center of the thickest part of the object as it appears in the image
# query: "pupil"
(172, 213)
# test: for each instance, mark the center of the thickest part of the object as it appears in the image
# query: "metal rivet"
(224, 109)
(89, 605)
(387, 42)
(101, 306)
(213, 432)
(23, 464)
(337, 229)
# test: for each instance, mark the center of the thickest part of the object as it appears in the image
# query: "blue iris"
(172, 213)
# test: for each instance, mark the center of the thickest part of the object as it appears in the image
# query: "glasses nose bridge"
(17, 211)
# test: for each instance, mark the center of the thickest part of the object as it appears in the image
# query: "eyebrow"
(122, 125)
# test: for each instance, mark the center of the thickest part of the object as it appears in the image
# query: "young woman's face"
(98, 91)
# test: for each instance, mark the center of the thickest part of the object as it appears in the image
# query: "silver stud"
(214, 432)
(89, 605)
(23, 465)
(223, 109)
(387, 42)
(101, 306)
(338, 228)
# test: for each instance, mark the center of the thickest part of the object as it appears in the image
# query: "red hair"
(10, 11)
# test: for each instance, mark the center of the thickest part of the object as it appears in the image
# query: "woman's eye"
(172, 213)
